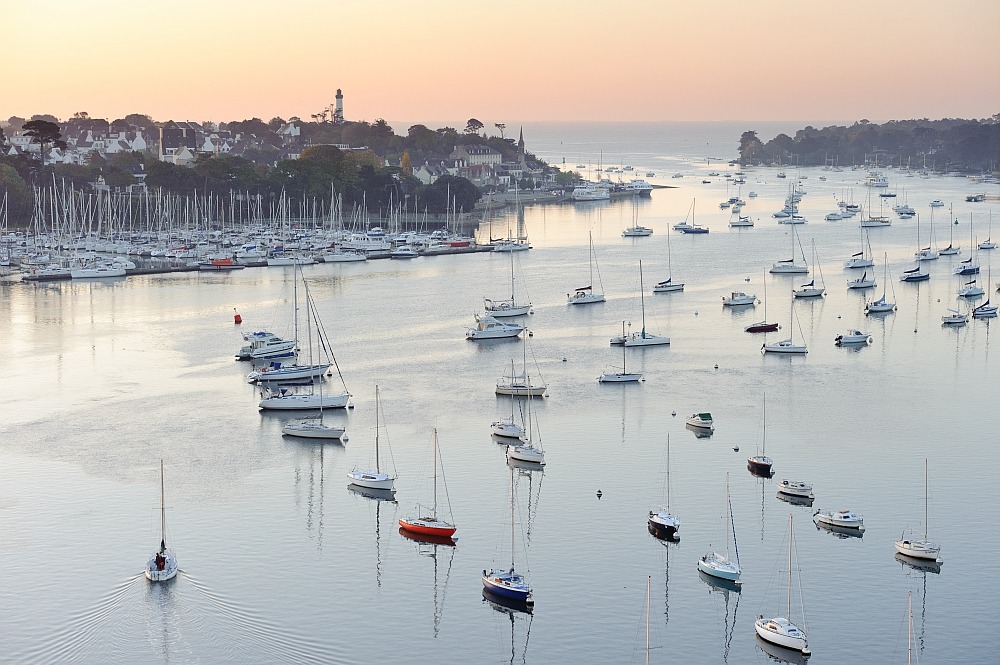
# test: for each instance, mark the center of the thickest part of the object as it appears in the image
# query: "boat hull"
(618, 377)
(373, 480)
(313, 431)
(507, 430)
(304, 402)
(782, 639)
(427, 526)
(918, 549)
(509, 585)
(526, 453)
(724, 570)
(646, 340)
(762, 327)
(155, 573)
(509, 311)
(520, 391)
(760, 466)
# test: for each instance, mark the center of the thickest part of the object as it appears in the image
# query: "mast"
(590, 236)
(909, 626)
(435, 509)
(668, 472)
(377, 469)
(789, 609)
(926, 529)
(647, 619)
(512, 518)
(642, 299)
(511, 278)
(163, 514)
(732, 523)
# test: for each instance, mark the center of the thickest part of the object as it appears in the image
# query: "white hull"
(861, 284)
(841, 519)
(494, 334)
(858, 263)
(809, 293)
(516, 390)
(155, 573)
(344, 257)
(668, 288)
(313, 431)
(297, 402)
(719, 566)
(784, 346)
(788, 269)
(918, 549)
(618, 377)
(507, 429)
(504, 311)
(526, 453)
(290, 373)
(795, 488)
(371, 479)
(646, 340)
(777, 636)
(97, 273)
(584, 299)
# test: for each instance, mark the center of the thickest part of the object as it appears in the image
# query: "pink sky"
(513, 62)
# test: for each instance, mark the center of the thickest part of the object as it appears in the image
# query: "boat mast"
(511, 278)
(512, 519)
(590, 236)
(789, 609)
(909, 626)
(435, 509)
(377, 469)
(732, 523)
(647, 619)
(642, 299)
(163, 514)
(668, 472)
(926, 529)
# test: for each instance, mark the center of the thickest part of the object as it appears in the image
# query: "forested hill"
(950, 144)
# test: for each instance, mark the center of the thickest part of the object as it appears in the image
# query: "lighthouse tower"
(338, 110)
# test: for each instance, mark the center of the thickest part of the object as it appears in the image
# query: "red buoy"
(237, 319)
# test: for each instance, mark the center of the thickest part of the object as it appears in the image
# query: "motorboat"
(637, 232)
(833, 216)
(796, 488)
(265, 345)
(488, 327)
(844, 519)
(590, 192)
(738, 298)
(937, 203)
(741, 221)
(701, 421)
(852, 336)
(404, 252)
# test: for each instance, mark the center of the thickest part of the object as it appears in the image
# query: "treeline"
(942, 145)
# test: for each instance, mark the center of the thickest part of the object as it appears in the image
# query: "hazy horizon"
(535, 62)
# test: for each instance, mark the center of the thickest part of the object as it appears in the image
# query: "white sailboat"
(668, 285)
(882, 305)
(788, 345)
(376, 478)
(526, 450)
(719, 565)
(789, 266)
(641, 338)
(926, 253)
(508, 307)
(780, 630)
(623, 376)
(920, 548)
(810, 290)
(585, 295)
(162, 566)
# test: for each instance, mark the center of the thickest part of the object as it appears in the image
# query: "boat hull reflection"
(427, 538)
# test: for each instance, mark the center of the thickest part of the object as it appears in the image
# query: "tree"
(44, 132)
(473, 126)
(275, 123)
(501, 126)
(81, 115)
(405, 164)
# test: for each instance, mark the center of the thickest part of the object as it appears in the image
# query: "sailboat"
(526, 450)
(668, 285)
(763, 326)
(642, 338)
(636, 231)
(518, 384)
(952, 248)
(864, 258)
(509, 584)
(920, 548)
(969, 265)
(585, 295)
(622, 376)
(789, 266)
(780, 630)
(882, 305)
(430, 525)
(786, 345)
(375, 479)
(760, 465)
(662, 523)
(277, 371)
(988, 243)
(721, 565)
(508, 428)
(162, 566)
(810, 290)
(509, 307)
(925, 253)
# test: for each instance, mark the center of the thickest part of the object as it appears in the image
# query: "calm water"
(281, 563)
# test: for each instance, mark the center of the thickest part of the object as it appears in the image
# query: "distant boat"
(488, 327)
(761, 464)
(662, 523)
(852, 336)
(585, 295)
(509, 584)
(507, 307)
(786, 346)
(701, 421)
(643, 338)
(796, 488)
(623, 376)
(738, 299)
(668, 285)
(789, 266)
(843, 519)
(763, 326)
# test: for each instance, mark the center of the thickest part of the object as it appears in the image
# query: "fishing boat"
(662, 523)
(738, 299)
(375, 479)
(585, 295)
(162, 566)
(509, 583)
(920, 548)
(780, 630)
(430, 524)
(623, 376)
(760, 464)
(718, 565)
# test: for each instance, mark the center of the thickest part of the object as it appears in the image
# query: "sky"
(511, 62)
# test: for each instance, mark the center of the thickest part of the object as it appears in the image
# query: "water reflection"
(921, 565)
(526, 475)
(795, 500)
(719, 587)
(780, 654)
(839, 531)
(378, 496)
(516, 612)
(427, 546)
(699, 432)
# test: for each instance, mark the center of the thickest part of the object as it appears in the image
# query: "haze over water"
(281, 563)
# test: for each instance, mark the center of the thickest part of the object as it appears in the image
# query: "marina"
(280, 562)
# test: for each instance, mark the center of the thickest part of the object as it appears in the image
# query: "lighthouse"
(338, 109)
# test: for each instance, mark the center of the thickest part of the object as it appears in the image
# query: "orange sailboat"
(430, 525)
